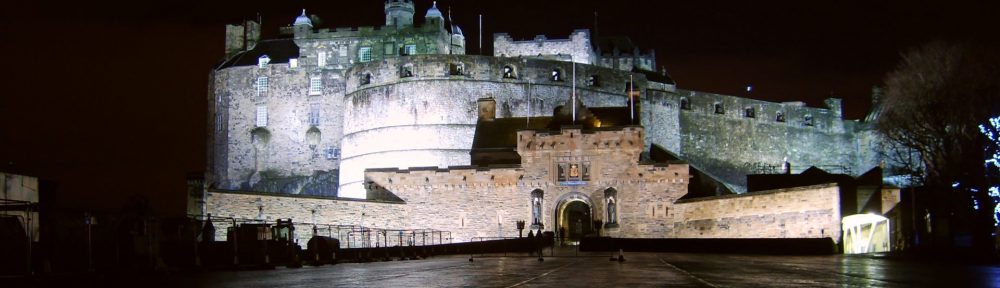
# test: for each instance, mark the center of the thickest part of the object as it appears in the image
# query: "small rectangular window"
(365, 54)
(321, 59)
(332, 153)
(261, 85)
(410, 49)
(261, 120)
(314, 114)
(316, 85)
(293, 63)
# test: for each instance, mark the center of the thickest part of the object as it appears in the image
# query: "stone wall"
(576, 48)
(328, 211)
(438, 108)
(239, 163)
(728, 145)
(435, 112)
(801, 212)
(486, 202)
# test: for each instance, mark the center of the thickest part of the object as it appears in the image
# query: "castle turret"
(302, 25)
(399, 13)
(434, 17)
(457, 41)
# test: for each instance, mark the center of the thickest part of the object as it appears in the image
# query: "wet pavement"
(595, 270)
(572, 269)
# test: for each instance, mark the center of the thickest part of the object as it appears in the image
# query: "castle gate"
(574, 216)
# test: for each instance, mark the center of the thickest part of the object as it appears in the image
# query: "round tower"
(399, 13)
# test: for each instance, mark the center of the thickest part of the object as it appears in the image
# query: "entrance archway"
(574, 217)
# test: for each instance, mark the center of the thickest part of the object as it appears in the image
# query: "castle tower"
(302, 25)
(398, 13)
(434, 16)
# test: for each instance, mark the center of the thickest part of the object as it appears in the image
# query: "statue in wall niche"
(611, 210)
(536, 211)
(574, 171)
(561, 172)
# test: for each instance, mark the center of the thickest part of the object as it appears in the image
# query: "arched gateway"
(574, 215)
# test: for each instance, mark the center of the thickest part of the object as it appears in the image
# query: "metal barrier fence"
(350, 236)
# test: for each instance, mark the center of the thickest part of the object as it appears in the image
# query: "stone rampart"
(302, 209)
(413, 111)
(801, 212)
(576, 48)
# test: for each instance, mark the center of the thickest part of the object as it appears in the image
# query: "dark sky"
(107, 100)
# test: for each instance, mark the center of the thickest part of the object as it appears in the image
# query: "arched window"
(779, 116)
(456, 69)
(685, 103)
(718, 108)
(406, 71)
(509, 72)
(556, 75)
(749, 112)
(365, 79)
(808, 120)
(313, 137)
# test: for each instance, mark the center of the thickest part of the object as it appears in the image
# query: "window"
(366, 78)
(262, 61)
(685, 103)
(410, 49)
(293, 63)
(718, 108)
(365, 54)
(261, 120)
(314, 114)
(509, 73)
(749, 112)
(321, 59)
(557, 75)
(456, 69)
(808, 120)
(780, 116)
(593, 81)
(390, 49)
(315, 85)
(332, 153)
(261, 85)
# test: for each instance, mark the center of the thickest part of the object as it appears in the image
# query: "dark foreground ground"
(578, 270)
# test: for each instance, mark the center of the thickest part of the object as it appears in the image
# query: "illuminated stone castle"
(327, 125)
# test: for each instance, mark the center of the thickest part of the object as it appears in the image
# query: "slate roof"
(279, 50)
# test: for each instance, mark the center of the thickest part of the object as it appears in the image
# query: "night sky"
(108, 100)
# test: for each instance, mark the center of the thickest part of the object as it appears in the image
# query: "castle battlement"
(573, 140)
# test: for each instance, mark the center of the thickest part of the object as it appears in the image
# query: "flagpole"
(631, 102)
(480, 34)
